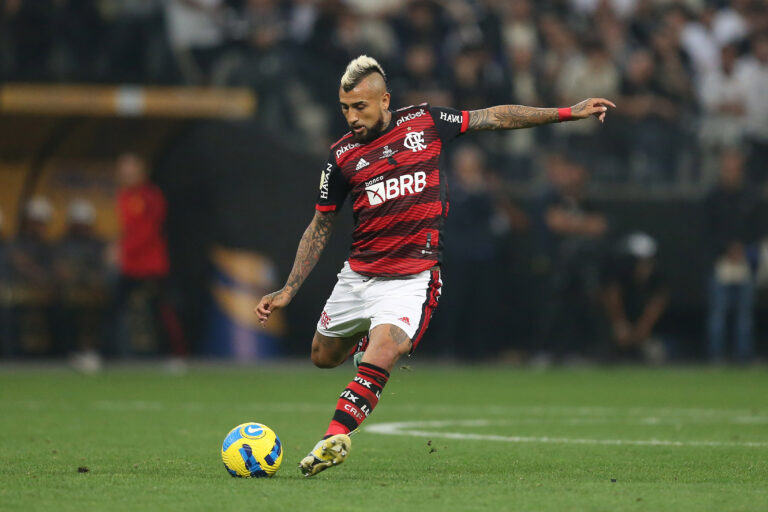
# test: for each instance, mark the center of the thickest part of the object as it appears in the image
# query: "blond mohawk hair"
(358, 69)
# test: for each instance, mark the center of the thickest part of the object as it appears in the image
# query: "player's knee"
(324, 359)
(401, 350)
(387, 351)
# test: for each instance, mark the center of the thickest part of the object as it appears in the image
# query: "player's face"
(130, 170)
(365, 108)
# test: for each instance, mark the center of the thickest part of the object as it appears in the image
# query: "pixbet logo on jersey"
(411, 116)
(380, 190)
(343, 149)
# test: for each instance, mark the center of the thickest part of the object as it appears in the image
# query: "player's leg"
(343, 320)
(401, 310)
(387, 343)
(330, 351)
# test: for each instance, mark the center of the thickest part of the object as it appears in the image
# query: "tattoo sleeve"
(510, 117)
(310, 247)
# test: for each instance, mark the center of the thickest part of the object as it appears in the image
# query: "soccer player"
(389, 286)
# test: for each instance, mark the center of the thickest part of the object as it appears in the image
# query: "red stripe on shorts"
(433, 293)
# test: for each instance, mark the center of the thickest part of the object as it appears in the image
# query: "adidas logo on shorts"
(361, 163)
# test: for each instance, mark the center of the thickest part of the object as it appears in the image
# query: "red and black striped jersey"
(398, 192)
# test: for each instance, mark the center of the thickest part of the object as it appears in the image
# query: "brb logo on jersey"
(415, 141)
(380, 190)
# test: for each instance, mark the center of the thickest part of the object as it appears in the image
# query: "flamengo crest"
(415, 141)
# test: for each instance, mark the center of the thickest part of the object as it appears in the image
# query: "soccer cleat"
(358, 350)
(326, 453)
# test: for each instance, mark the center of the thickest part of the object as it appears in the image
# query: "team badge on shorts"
(325, 320)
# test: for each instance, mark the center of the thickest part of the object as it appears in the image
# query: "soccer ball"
(251, 450)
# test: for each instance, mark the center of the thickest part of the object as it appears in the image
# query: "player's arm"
(511, 117)
(562, 221)
(651, 314)
(311, 246)
(613, 302)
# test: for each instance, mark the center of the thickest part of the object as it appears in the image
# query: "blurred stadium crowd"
(690, 79)
(689, 76)
(82, 296)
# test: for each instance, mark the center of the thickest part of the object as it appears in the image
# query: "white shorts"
(359, 303)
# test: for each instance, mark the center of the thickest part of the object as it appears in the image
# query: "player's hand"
(270, 303)
(622, 333)
(591, 107)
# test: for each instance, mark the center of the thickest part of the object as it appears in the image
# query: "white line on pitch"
(410, 428)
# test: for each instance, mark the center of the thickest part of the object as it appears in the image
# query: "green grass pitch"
(441, 439)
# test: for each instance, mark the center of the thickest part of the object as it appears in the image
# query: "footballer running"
(388, 289)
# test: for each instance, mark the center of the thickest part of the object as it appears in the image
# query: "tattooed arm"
(510, 117)
(310, 247)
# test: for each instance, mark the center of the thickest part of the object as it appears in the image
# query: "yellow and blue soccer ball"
(252, 450)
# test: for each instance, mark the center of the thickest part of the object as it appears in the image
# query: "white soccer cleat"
(326, 453)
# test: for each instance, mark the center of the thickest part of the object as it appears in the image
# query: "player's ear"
(385, 101)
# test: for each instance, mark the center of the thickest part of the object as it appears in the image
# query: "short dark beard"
(372, 132)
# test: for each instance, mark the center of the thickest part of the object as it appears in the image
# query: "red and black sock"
(358, 400)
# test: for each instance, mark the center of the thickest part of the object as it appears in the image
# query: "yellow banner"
(127, 101)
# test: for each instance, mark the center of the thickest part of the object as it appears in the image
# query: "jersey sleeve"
(450, 123)
(333, 187)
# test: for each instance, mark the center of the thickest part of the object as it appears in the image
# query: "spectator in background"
(136, 47)
(196, 33)
(731, 22)
(570, 232)
(518, 147)
(469, 254)
(32, 280)
(649, 117)
(592, 71)
(615, 37)
(141, 302)
(635, 296)
(261, 63)
(519, 24)
(476, 79)
(698, 39)
(81, 278)
(732, 229)
(752, 70)
(723, 93)
(421, 81)
(79, 30)
(559, 47)
(422, 21)
(673, 64)
(29, 38)
(643, 22)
